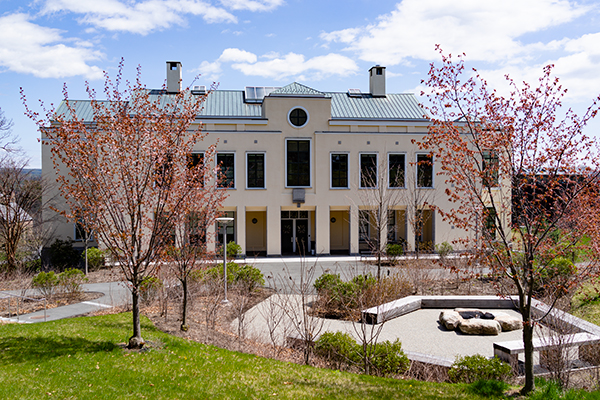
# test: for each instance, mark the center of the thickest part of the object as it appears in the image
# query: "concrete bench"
(509, 351)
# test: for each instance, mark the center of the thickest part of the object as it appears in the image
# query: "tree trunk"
(528, 345)
(184, 326)
(136, 341)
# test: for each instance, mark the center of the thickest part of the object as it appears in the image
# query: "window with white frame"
(396, 170)
(424, 171)
(368, 170)
(195, 165)
(297, 163)
(226, 166)
(339, 170)
(255, 170)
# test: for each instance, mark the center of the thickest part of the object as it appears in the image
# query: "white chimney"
(173, 76)
(377, 81)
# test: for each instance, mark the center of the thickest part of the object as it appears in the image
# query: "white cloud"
(140, 17)
(252, 5)
(294, 65)
(237, 55)
(32, 49)
(278, 67)
(487, 30)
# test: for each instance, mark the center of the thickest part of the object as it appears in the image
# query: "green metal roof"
(297, 89)
(230, 104)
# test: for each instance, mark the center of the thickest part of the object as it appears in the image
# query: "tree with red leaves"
(523, 178)
(126, 172)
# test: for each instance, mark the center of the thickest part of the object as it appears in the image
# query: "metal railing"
(19, 298)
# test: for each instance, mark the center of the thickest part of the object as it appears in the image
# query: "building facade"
(306, 170)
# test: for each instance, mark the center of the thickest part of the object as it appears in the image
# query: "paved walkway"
(114, 294)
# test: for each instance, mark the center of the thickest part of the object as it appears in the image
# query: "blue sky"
(328, 45)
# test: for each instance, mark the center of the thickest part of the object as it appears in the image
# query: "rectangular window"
(391, 226)
(489, 167)
(490, 223)
(339, 170)
(196, 160)
(196, 228)
(424, 171)
(368, 170)
(396, 170)
(81, 233)
(298, 163)
(364, 226)
(255, 168)
(226, 164)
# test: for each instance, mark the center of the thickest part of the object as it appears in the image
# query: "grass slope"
(81, 358)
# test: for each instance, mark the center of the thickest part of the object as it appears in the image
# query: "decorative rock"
(477, 326)
(509, 323)
(450, 319)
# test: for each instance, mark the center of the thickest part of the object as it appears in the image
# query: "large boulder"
(450, 319)
(477, 326)
(509, 323)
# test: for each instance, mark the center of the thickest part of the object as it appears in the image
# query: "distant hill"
(35, 172)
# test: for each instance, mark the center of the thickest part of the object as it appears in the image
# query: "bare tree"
(297, 303)
(8, 141)
(126, 171)
(516, 180)
(20, 197)
(380, 192)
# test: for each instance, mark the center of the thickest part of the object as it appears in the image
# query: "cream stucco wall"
(268, 135)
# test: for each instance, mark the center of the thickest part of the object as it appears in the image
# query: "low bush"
(70, 281)
(339, 299)
(95, 257)
(387, 358)
(469, 369)
(337, 347)
(443, 249)
(247, 276)
(393, 251)
(233, 249)
(46, 283)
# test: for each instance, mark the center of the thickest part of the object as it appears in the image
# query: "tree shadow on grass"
(18, 349)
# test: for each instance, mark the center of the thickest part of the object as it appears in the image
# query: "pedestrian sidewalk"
(114, 294)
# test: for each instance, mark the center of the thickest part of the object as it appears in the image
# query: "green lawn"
(83, 358)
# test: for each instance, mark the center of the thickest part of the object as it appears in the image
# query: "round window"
(298, 117)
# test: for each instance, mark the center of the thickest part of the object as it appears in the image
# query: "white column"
(322, 230)
(354, 236)
(273, 231)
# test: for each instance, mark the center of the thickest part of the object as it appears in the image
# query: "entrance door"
(287, 236)
(301, 242)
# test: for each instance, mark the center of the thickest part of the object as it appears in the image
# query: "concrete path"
(114, 294)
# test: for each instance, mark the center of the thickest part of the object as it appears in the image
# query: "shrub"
(489, 388)
(327, 282)
(554, 275)
(336, 347)
(233, 249)
(63, 255)
(149, 288)
(95, 258)
(249, 277)
(443, 249)
(336, 298)
(245, 275)
(469, 369)
(46, 283)
(393, 251)
(71, 280)
(387, 358)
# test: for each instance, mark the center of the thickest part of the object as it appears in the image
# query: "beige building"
(298, 163)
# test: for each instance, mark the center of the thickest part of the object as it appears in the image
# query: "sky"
(327, 45)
